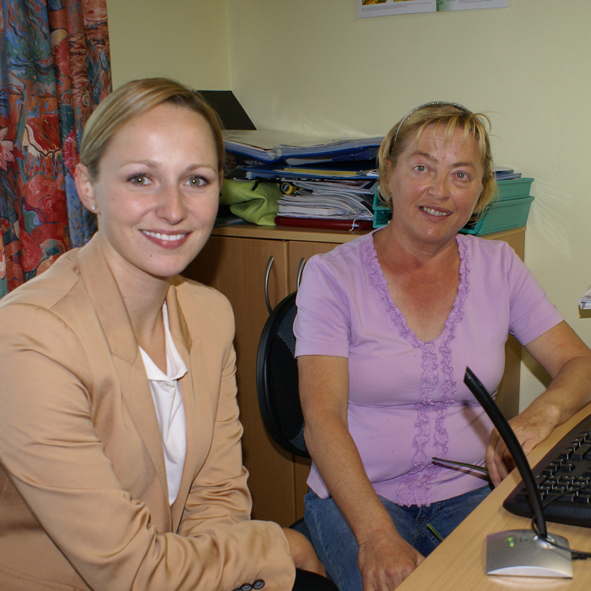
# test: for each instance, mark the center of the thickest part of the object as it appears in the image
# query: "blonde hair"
(132, 100)
(452, 116)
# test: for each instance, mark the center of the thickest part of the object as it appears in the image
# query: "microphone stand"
(521, 552)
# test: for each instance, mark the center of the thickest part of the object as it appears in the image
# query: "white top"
(169, 408)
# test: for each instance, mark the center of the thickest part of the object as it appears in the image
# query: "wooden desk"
(459, 563)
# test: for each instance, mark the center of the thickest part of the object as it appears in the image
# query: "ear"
(85, 188)
(478, 206)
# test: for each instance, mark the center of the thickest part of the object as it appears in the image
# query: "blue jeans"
(337, 548)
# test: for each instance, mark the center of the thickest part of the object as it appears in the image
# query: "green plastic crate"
(501, 215)
(514, 188)
(381, 213)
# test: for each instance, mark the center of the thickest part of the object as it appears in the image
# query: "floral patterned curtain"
(54, 69)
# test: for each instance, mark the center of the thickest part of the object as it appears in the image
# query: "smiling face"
(156, 193)
(435, 187)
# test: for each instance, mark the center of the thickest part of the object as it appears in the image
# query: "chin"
(437, 236)
(166, 270)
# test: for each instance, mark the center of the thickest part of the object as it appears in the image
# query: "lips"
(165, 237)
(434, 212)
(167, 241)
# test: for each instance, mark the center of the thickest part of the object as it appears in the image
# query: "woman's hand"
(530, 428)
(302, 552)
(568, 361)
(385, 560)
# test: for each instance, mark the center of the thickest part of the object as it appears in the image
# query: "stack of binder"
(326, 183)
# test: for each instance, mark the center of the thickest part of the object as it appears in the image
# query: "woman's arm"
(385, 559)
(568, 361)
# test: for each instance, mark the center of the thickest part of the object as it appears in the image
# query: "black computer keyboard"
(565, 469)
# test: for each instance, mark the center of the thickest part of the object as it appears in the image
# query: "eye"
(139, 179)
(420, 168)
(463, 176)
(198, 181)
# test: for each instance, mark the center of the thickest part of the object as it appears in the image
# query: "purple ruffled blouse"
(407, 399)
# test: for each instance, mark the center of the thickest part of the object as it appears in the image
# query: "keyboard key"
(581, 452)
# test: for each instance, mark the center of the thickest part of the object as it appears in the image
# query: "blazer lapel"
(108, 303)
(197, 405)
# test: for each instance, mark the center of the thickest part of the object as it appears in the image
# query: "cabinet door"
(236, 267)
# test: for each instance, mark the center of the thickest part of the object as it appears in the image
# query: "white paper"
(367, 8)
(444, 5)
(585, 301)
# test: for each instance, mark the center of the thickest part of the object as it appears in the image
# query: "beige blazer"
(83, 488)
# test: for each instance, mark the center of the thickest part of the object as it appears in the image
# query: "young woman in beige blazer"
(85, 493)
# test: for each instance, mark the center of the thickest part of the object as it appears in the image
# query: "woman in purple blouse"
(386, 326)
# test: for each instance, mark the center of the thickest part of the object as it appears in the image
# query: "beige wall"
(186, 40)
(313, 66)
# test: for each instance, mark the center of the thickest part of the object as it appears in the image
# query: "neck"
(396, 250)
(143, 294)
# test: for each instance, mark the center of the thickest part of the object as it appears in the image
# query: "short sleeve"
(531, 312)
(323, 322)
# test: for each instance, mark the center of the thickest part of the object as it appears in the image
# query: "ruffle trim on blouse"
(415, 487)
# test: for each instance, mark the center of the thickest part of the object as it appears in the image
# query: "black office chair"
(277, 380)
(279, 403)
(277, 385)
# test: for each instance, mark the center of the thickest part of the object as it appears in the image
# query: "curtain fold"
(54, 69)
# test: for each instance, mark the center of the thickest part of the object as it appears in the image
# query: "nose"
(171, 206)
(440, 186)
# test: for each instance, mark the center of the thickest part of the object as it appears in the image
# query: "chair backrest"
(277, 380)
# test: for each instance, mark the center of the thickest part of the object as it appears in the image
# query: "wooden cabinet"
(234, 261)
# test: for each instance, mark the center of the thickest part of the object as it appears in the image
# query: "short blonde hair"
(452, 116)
(132, 100)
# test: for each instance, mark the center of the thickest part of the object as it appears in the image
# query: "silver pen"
(462, 464)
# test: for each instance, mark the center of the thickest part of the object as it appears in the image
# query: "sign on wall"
(366, 8)
(443, 5)
(386, 7)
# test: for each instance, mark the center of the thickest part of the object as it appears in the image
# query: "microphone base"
(523, 553)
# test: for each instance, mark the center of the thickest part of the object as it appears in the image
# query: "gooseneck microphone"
(521, 552)
(506, 432)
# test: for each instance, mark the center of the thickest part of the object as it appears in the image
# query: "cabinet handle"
(300, 271)
(267, 273)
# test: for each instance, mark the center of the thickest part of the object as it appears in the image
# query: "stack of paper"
(585, 301)
(325, 182)
(346, 200)
(502, 173)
